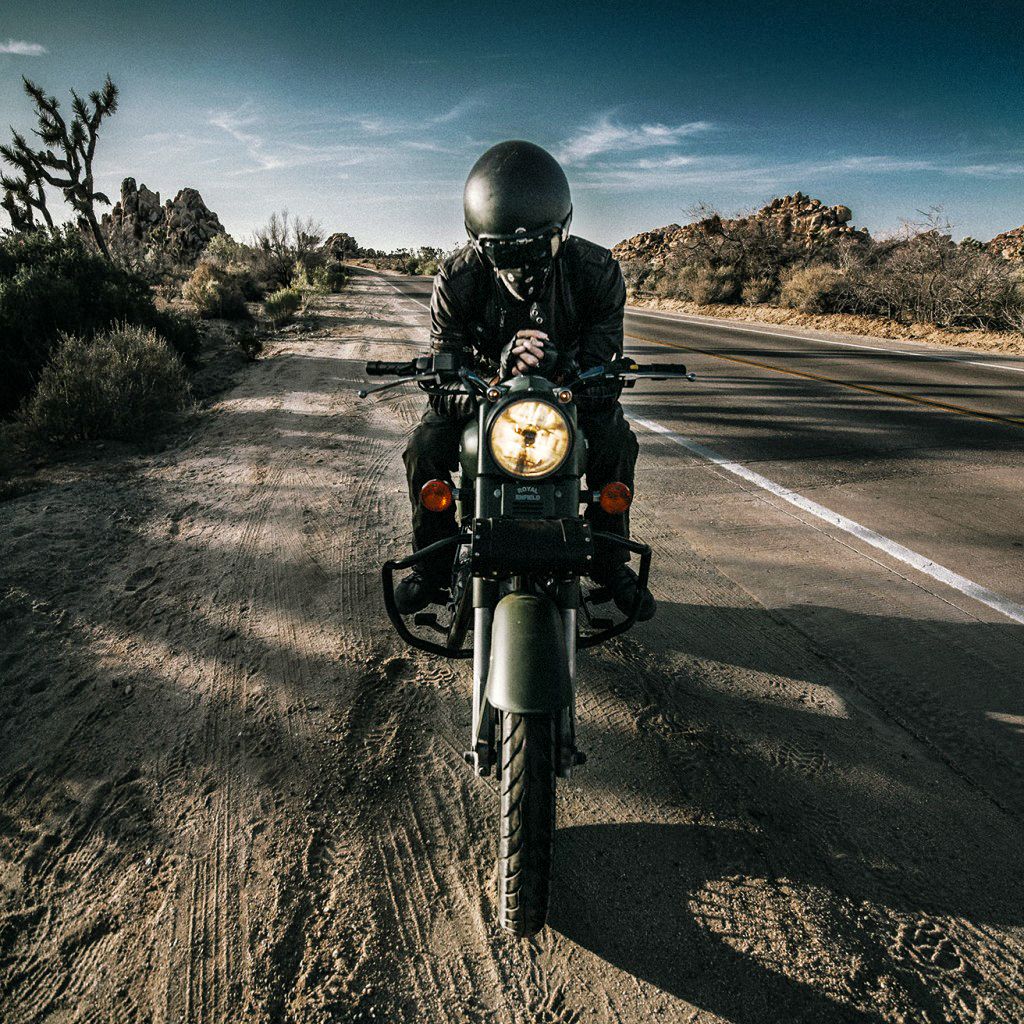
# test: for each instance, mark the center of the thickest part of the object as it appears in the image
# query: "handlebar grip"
(380, 368)
(663, 368)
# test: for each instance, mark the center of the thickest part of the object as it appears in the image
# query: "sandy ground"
(851, 324)
(229, 794)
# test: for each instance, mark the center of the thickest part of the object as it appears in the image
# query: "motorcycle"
(522, 547)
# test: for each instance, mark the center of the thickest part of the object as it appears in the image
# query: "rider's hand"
(527, 351)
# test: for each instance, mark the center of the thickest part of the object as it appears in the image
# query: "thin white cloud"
(302, 139)
(992, 170)
(607, 136)
(745, 172)
(460, 109)
(273, 153)
(23, 49)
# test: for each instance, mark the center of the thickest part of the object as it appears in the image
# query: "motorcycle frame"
(496, 494)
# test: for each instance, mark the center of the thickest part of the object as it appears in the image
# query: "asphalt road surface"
(231, 794)
(918, 450)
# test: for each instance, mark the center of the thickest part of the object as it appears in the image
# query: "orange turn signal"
(615, 498)
(436, 496)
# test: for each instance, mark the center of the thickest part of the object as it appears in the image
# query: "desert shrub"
(757, 289)
(153, 263)
(285, 302)
(120, 384)
(241, 262)
(303, 281)
(671, 285)
(51, 284)
(816, 289)
(708, 285)
(281, 244)
(637, 274)
(215, 293)
(330, 278)
(179, 331)
(925, 276)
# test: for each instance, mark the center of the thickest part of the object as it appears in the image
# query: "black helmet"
(517, 210)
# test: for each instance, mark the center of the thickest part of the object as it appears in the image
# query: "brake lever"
(469, 377)
(657, 376)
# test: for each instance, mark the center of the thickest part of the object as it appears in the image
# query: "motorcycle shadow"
(632, 894)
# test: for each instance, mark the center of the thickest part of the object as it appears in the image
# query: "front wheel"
(527, 820)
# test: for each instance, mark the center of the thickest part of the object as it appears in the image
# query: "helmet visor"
(508, 252)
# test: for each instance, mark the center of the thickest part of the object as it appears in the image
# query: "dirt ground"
(230, 795)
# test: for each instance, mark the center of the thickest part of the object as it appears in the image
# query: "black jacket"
(581, 312)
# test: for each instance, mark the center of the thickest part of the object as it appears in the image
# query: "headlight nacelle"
(530, 438)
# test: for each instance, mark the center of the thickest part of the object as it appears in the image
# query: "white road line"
(405, 295)
(987, 597)
(997, 602)
(686, 318)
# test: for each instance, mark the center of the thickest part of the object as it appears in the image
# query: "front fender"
(529, 671)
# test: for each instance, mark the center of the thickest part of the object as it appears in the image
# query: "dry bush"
(215, 293)
(239, 261)
(51, 284)
(330, 278)
(281, 244)
(816, 289)
(284, 303)
(701, 284)
(121, 384)
(709, 285)
(923, 276)
(757, 290)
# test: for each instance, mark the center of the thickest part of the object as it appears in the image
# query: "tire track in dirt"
(275, 823)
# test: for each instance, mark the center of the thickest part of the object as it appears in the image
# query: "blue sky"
(368, 116)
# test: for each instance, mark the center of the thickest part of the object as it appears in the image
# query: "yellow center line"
(902, 396)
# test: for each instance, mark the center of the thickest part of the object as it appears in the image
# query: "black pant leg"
(432, 453)
(611, 456)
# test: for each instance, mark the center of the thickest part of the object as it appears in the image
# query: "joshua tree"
(64, 163)
(23, 194)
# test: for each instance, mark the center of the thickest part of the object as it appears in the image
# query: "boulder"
(182, 227)
(1008, 244)
(797, 216)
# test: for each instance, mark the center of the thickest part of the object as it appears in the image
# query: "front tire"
(527, 820)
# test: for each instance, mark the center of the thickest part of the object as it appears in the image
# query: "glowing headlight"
(530, 439)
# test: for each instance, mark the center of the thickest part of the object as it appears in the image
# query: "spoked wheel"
(527, 821)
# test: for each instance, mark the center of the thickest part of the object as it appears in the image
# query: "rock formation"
(797, 216)
(1009, 244)
(182, 227)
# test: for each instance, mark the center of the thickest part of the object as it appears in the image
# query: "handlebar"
(432, 370)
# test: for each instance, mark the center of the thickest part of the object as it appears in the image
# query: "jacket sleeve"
(449, 332)
(601, 332)
(448, 326)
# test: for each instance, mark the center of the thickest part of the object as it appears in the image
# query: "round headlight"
(530, 438)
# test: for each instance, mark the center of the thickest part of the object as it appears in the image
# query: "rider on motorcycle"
(524, 296)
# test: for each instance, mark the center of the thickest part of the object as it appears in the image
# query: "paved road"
(871, 495)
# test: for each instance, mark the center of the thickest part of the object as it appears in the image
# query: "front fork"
(483, 754)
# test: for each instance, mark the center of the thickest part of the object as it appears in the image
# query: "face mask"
(526, 283)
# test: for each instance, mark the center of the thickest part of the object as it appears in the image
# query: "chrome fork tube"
(482, 618)
(567, 745)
